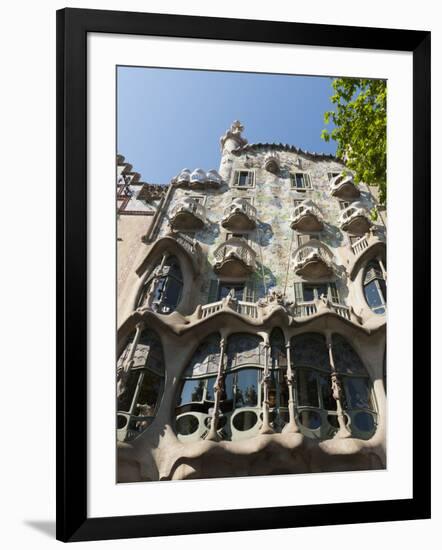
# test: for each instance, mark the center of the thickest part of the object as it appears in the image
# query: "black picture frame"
(73, 25)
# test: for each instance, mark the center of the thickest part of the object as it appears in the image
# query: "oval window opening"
(245, 421)
(310, 419)
(364, 422)
(187, 424)
(375, 289)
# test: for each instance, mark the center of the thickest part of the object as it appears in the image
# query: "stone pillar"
(123, 374)
(337, 392)
(129, 361)
(292, 426)
(164, 258)
(218, 387)
(266, 428)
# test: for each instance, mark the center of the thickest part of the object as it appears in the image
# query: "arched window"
(139, 385)
(196, 396)
(163, 289)
(314, 399)
(375, 289)
(357, 395)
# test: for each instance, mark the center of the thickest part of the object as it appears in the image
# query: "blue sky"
(172, 119)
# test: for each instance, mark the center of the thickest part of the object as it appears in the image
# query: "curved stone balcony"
(355, 219)
(240, 215)
(234, 258)
(343, 187)
(188, 214)
(307, 217)
(198, 179)
(313, 260)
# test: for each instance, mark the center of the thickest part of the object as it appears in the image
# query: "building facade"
(252, 322)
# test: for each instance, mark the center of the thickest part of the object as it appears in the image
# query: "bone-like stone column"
(266, 428)
(336, 388)
(384, 272)
(292, 426)
(129, 360)
(123, 374)
(218, 387)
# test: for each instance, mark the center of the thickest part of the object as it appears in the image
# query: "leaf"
(360, 128)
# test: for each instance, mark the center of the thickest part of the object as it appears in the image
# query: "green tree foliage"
(360, 129)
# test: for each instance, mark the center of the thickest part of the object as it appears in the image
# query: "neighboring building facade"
(137, 203)
(254, 329)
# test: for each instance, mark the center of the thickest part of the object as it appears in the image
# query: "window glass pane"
(149, 394)
(246, 388)
(309, 293)
(372, 294)
(314, 291)
(334, 293)
(243, 179)
(299, 178)
(310, 350)
(347, 361)
(224, 290)
(328, 400)
(192, 391)
(125, 399)
(210, 394)
(228, 387)
(171, 294)
(358, 393)
(307, 388)
(364, 422)
(206, 358)
(174, 268)
(244, 349)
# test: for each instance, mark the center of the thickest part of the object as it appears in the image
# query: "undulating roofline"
(283, 147)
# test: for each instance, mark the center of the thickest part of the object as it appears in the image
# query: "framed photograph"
(231, 195)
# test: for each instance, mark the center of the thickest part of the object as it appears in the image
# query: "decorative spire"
(233, 139)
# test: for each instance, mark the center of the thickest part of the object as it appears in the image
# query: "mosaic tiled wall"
(273, 240)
